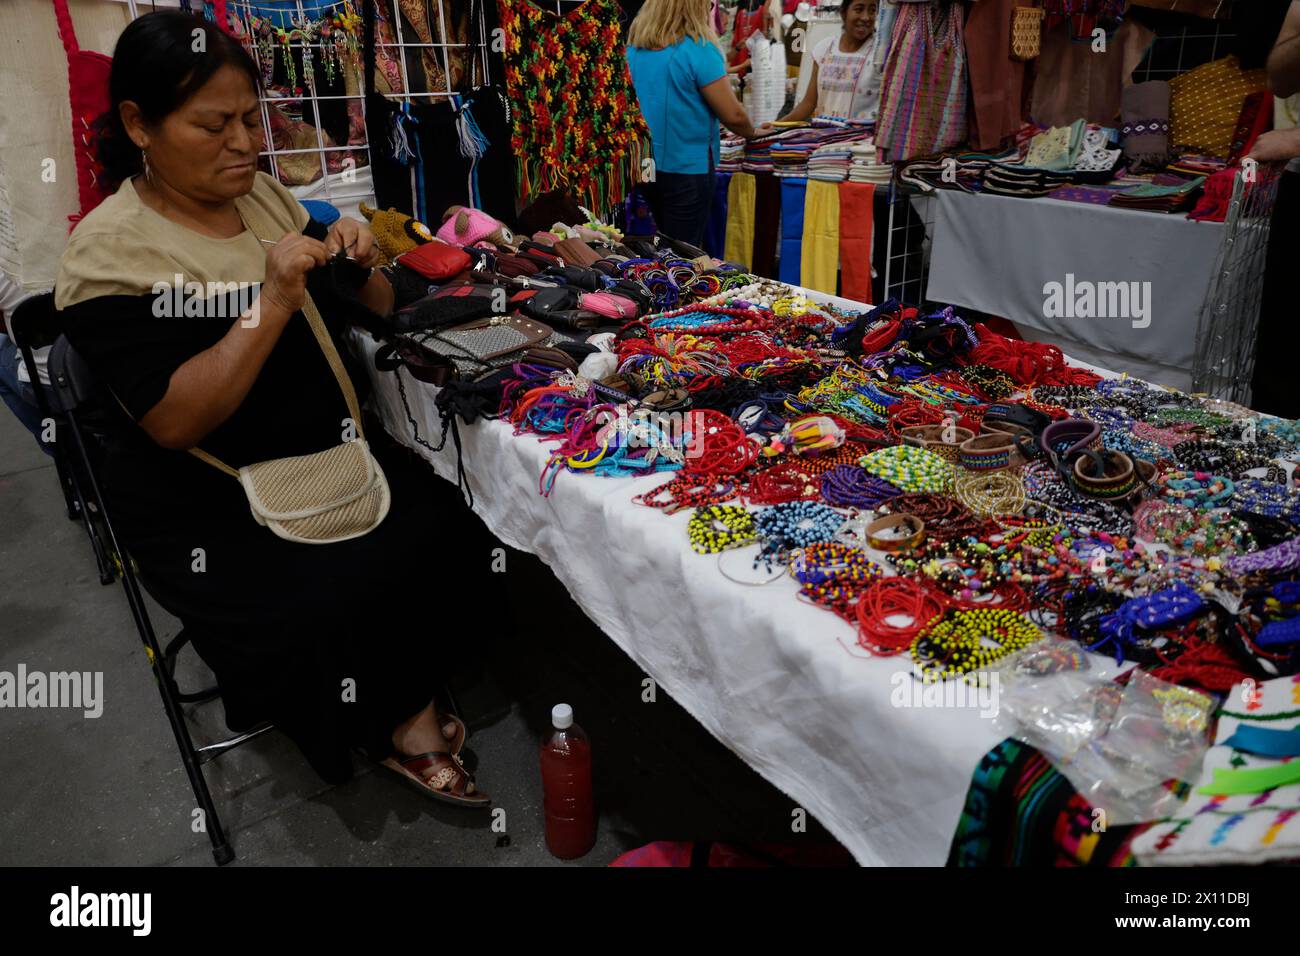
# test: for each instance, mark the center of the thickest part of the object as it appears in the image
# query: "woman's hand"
(356, 238)
(287, 265)
(1277, 145)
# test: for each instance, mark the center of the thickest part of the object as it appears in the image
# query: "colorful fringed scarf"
(577, 123)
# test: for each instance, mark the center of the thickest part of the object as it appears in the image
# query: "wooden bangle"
(896, 520)
(1116, 479)
(990, 452)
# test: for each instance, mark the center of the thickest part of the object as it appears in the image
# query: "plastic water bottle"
(566, 787)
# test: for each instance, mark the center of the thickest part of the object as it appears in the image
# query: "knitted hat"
(395, 232)
(465, 226)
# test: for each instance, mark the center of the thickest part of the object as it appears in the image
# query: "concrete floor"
(112, 791)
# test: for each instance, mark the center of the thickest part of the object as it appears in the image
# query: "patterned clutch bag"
(489, 343)
(1026, 33)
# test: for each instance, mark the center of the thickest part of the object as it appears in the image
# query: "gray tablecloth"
(999, 255)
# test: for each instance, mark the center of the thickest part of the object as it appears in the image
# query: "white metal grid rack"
(352, 184)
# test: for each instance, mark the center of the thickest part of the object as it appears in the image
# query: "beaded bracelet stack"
(796, 524)
(909, 468)
(966, 641)
(1195, 489)
(718, 528)
(989, 494)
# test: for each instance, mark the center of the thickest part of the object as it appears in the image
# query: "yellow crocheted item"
(395, 232)
(1206, 102)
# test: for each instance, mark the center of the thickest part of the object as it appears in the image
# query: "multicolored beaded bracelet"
(720, 527)
(909, 468)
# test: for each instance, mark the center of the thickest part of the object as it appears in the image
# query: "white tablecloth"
(997, 253)
(773, 678)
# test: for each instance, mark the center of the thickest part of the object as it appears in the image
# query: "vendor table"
(779, 682)
(997, 253)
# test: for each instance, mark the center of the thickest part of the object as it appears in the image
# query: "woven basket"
(1026, 33)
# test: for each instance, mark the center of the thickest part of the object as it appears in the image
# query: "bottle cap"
(561, 716)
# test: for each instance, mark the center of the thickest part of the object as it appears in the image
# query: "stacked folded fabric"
(733, 153)
(1197, 165)
(864, 168)
(830, 163)
(1006, 179)
(758, 156)
(1159, 198)
(790, 156)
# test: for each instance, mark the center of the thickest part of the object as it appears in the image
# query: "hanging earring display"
(308, 62)
(265, 40)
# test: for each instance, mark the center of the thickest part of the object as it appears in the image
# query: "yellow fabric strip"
(740, 219)
(821, 237)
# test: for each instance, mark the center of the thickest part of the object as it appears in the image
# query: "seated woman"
(845, 83)
(324, 640)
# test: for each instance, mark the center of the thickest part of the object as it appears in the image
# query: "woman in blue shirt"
(681, 80)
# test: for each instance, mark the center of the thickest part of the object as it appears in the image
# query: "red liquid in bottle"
(566, 787)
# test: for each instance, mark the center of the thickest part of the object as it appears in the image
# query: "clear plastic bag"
(1119, 746)
(1053, 695)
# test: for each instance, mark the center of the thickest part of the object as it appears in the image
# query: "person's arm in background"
(1281, 145)
(806, 107)
(727, 108)
(1284, 62)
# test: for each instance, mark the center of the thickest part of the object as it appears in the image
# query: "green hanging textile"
(577, 123)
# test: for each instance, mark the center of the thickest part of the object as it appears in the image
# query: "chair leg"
(222, 851)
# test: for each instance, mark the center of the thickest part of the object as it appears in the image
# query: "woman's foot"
(425, 755)
(430, 731)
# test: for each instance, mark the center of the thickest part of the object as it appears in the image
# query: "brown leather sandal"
(440, 776)
(457, 740)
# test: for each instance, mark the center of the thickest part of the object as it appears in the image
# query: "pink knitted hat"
(463, 226)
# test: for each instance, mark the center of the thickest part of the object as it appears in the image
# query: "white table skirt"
(771, 677)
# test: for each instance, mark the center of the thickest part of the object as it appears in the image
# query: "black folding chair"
(35, 326)
(75, 402)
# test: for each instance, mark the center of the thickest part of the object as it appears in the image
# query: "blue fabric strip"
(1265, 742)
(793, 191)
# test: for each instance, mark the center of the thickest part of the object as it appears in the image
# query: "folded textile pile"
(1191, 165)
(1005, 179)
(1159, 198)
(758, 156)
(865, 168)
(790, 156)
(733, 153)
(830, 163)
(962, 171)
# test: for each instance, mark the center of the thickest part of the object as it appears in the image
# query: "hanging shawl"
(575, 116)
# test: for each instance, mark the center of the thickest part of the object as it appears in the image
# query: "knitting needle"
(339, 253)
